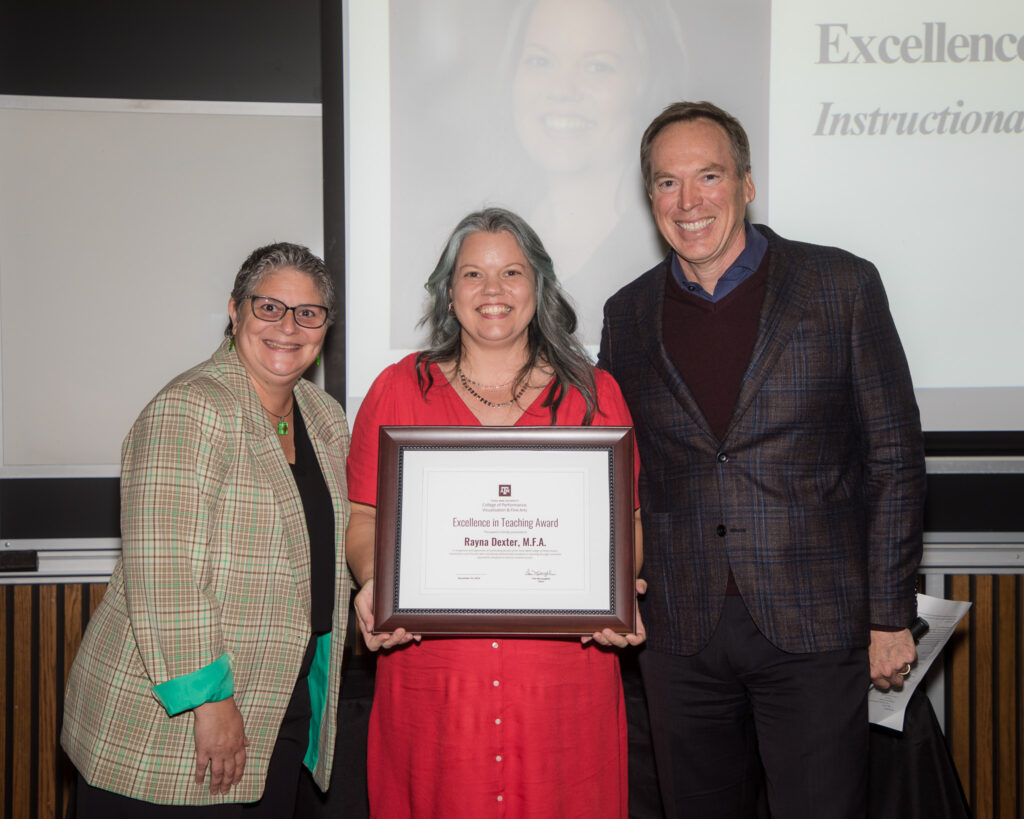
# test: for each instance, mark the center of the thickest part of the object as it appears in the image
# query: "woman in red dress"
(476, 727)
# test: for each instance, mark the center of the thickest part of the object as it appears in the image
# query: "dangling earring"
(318, 359)
(231, 344)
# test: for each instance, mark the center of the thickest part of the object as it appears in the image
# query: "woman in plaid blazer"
(210, 671)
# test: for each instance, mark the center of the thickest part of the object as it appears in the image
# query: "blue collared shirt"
(739, 271)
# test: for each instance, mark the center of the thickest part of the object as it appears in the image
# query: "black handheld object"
(919, 628)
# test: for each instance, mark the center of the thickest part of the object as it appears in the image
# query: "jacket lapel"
(651, 314)
(788, 286)
(268, 457)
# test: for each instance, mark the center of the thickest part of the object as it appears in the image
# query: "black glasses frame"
(295, 315)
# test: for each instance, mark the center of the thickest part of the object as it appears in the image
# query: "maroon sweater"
(710, 344)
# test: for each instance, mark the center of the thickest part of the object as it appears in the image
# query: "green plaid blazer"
(814, 497)
(214, 562)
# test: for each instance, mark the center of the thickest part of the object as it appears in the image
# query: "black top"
(319, 512)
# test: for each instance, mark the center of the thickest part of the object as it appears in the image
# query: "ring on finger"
(903, 672)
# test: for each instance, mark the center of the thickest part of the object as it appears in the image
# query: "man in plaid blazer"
(781, 488)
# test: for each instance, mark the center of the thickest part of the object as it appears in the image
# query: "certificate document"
(502, 529)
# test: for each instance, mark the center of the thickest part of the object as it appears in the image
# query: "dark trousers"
(718, 715)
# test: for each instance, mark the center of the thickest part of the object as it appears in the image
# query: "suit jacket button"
(723, 457)
(720, 531)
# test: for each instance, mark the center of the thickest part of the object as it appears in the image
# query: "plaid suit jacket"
(814, 496)
(215, 560)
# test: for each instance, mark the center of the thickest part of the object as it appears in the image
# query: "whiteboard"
(122, 225)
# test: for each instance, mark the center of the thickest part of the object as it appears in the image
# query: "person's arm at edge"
(359, 546)
(609, 638)
(155, 555)
(894, 459)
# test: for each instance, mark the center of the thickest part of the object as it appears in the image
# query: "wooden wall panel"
(958, 684)
(5, 666)
(49, 701)
(95, 595)
(1019, 698)
(40, 630)
(72, 638)
(1006, 703)
(981, 710)
(985, 693)
(21, 703)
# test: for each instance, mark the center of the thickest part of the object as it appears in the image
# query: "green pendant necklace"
(282, 425)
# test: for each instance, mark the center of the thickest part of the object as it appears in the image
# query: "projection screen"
(888, 130)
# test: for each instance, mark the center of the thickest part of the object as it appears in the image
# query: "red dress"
(478, 727)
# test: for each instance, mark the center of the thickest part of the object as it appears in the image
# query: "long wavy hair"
(551, 338)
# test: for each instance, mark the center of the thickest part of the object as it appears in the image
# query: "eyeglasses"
(310, 316)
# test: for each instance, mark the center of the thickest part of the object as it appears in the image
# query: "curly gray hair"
(271, 258)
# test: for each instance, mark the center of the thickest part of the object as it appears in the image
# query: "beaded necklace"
(465, 384)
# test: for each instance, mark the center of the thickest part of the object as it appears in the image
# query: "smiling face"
(276, 354)
(493, 290)
(698, 197)
(575, 84)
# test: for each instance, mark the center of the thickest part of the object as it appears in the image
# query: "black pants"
(716, 716)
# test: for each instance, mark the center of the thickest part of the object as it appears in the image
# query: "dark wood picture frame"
(617, 442)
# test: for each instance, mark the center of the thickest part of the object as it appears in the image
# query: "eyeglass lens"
(310, 316)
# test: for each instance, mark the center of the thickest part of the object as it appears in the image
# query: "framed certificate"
(505, 530)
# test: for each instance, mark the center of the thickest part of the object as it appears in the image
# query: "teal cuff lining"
(211, 683)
